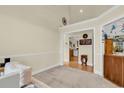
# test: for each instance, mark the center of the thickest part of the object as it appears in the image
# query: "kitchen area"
(113, 39)
(114, 61)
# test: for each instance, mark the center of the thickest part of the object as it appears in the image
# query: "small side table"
(84, 59)
(1, 70)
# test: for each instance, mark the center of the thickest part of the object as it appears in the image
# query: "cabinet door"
(107, 67)
(108, 46)
(117, 70)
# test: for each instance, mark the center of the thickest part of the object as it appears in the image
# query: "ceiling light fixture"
(81, 11)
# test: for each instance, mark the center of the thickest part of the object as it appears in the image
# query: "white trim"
(94, 50)
(112, 20)
(44, 69)
(98, 73)
(80, 30)
(82, 22)
(30, 54)
(108, 11)
(101, 55)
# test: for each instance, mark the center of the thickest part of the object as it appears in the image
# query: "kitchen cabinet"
(114, 69)
(108, 46)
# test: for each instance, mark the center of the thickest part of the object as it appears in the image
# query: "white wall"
(19, 38)
(74, 42)
(87, 49)
(97, 23)
(66, 48)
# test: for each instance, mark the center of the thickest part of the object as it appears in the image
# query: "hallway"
(73, 63)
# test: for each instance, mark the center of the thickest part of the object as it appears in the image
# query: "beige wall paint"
(40, 61)
(29, 34)
(28, 43)
(96, 23)
(20, 37)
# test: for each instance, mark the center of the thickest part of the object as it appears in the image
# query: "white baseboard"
(98, 73)
(44, 69)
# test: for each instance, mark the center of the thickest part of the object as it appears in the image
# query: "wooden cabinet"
(108, 46)
(117, 70)
(123, 71)
(113, 69)
(107, 67)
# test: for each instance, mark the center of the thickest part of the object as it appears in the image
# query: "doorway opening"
(79, 50)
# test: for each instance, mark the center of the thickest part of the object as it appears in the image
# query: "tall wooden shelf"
(113, 69)
(113, 64)
(108, 46)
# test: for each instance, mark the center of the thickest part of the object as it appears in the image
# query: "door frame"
(80, 30)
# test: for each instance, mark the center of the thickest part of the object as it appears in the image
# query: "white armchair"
(10, 81)
(24, 71)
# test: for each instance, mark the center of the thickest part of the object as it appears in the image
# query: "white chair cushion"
(23, 70)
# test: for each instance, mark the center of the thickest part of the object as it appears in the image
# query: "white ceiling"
(89, 11)
(50, 15)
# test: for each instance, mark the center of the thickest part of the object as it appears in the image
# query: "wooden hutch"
(113, 64)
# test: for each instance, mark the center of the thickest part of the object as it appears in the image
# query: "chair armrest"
(10, 81)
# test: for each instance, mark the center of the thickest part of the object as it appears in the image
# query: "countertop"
(118, 54)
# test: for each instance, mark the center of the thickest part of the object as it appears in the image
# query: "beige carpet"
(65, 77)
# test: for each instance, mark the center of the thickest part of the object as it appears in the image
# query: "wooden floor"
(73, 63)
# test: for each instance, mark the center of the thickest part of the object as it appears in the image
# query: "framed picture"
(85, 42)
(88, 42)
